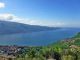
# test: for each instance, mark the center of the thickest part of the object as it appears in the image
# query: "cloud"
(51, 23)
(2, 5)
(13, 18)
(6, 16)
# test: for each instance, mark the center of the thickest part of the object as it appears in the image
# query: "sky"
(56, 13)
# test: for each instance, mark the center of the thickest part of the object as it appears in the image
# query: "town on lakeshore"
(10, 52)
(68, 49)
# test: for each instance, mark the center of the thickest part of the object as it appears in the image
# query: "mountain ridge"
(7, 27)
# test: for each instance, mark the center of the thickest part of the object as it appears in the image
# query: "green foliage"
(64, 50)
(77, 35)
(77, 42)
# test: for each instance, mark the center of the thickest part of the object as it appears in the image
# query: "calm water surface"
(38, 38)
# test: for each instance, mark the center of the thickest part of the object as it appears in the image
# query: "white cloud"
(2, 5)
(13, 18)
(6, 16)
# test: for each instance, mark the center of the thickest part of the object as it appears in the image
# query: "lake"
(38, 38)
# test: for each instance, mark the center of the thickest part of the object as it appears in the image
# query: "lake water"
(38, 38)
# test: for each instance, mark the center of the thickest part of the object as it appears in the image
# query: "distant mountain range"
(7, 27)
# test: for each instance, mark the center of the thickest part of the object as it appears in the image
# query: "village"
(10, 52)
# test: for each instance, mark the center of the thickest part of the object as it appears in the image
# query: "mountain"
(7, 27)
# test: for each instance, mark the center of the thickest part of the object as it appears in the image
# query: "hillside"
(68, 49)
(66, 43)
(7, 27)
